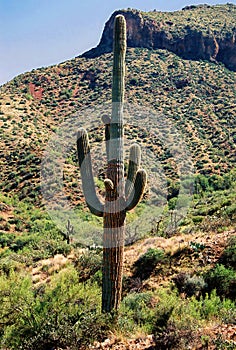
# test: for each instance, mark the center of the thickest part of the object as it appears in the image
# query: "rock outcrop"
(194, 44)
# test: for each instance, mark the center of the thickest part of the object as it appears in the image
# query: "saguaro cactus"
(120, 196)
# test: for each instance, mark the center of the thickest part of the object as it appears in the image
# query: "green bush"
(198, 218)
(197, 246)
(97, 278)
(231, 211)
(88, 264)
(228, 258)
(137, 310)
(6, 239)
(190, 285)
(20, 242)
(147, 262)
(188, 313)
(223, 280)
(63, 313)
(10, 263)
(211, 304)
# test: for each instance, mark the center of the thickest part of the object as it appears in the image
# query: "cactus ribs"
(120, 196)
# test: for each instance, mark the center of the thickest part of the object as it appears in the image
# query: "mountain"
(199, 32)
(196, 96)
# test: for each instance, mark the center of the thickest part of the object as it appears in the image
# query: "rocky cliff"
(197, 33)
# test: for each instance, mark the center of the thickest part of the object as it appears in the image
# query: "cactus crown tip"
(120, 21)
(81, 132)
(135, 145)
(120, 17)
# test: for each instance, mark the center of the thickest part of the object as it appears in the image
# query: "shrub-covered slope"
(198, 98)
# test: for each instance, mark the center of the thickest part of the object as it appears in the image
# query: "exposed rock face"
(147, 33)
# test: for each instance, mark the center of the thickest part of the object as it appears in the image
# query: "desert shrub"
(222, 344)
(161, 319)
(223, 280)
(88, 264)
(201, 183)
(137, 309)
(9, 264)
(197, 247)
(131, 284)
(64, 313)
(168, 331)
(231, 211)
(213, 182)
(172, 203)
(211, 304)
(190, 285)
(20, 242)
(228, 258)
(97, 278)
(198, 218)
(6, 239)
(187, 313)
(172, 338)
(184, 313)
(15, 298)
(5, 226)
(37, 248)
(173, 189)
(147, 262)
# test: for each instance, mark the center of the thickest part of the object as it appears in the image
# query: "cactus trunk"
(120, 197)
(114, 215)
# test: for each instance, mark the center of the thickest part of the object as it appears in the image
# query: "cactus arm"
(138, 189)
(92, 200)
(134, 164)
(108, 185)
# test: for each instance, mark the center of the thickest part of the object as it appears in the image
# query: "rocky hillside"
(200, 32)
(196, 97)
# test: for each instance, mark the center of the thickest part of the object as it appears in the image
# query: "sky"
(40, 33)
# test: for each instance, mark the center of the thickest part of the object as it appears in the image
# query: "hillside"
(197, 95)
(198, 98)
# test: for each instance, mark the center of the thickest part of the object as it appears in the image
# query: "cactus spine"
(120, 197)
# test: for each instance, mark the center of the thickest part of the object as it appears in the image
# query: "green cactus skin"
(84, 156)
(134, 164)
(120, 197)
